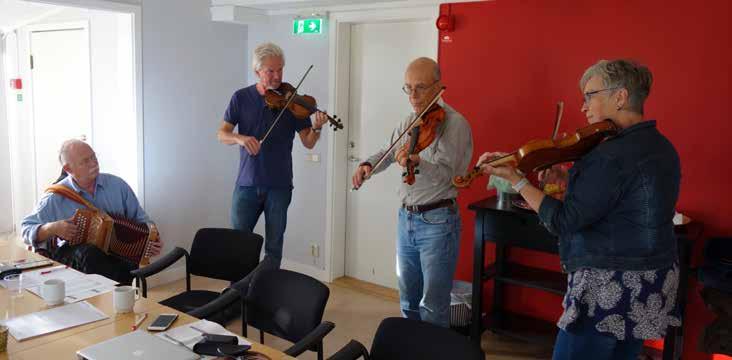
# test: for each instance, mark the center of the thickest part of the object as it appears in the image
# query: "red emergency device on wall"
(16, 84)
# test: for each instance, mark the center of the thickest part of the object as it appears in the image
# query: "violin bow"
(406, 131)
(558, 119)
(282, 111)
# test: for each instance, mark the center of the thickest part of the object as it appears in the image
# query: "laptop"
(136, 345)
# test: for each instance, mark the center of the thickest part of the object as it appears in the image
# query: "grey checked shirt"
(448, 156)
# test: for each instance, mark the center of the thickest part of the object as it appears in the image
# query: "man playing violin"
(264, 183)
(429, 224)
(615, 229)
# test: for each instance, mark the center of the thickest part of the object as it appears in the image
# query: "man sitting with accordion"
(91, 221)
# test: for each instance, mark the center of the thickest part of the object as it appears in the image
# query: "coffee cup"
(123, 298)
(53, 291)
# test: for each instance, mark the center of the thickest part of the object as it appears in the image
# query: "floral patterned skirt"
(624, 304)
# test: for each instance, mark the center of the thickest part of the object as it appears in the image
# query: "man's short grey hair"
(625, 74)
(264, 51)
(63, 153)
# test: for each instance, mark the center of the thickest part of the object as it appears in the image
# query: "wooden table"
(65, 343)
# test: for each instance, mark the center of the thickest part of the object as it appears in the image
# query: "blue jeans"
(586, 343)
(426, 255)
(247, 205)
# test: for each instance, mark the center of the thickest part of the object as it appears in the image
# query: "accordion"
(115, 235)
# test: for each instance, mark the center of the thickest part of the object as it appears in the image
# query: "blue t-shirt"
(272, 166)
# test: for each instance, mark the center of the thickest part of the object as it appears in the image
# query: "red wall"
(508, 62)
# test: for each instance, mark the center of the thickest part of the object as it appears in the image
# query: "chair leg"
(261, 337)
(320, 350)
(243, 320)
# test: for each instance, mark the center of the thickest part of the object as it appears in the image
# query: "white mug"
(53, 291)
(123, 298)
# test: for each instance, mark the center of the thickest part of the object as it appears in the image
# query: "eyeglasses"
(419, 89)
(588, 95)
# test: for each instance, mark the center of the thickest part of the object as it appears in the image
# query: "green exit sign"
(307, 26)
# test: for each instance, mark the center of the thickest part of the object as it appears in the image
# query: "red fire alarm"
(445, 22)
(16, 84)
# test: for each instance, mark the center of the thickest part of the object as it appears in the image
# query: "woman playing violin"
(429, 224)
(616, 238)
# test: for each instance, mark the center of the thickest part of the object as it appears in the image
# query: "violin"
(301, 106)
(420, 137)
(540, 154)
(415, 140)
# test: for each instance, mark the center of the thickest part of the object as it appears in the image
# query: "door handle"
(354, 159)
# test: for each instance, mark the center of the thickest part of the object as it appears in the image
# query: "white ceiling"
(14, 13)
(273, 7)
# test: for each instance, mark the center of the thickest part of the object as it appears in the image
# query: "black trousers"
(89, 259)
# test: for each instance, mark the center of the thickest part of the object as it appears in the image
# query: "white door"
(380, 52)
(61, 95)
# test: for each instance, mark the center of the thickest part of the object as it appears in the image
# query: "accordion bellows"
(115, 235)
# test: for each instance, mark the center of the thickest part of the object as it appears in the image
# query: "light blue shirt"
(111, 194)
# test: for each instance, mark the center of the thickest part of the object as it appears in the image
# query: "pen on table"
(61, 267)
(139, 321)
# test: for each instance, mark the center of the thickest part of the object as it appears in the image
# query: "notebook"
(136, 345)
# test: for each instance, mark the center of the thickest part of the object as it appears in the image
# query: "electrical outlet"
(314, 250)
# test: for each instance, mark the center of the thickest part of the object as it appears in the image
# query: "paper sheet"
(52, 320)
(83, 287)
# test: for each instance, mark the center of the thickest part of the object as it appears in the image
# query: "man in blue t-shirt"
(264, 183)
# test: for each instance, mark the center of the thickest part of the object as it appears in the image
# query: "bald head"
(69, 149)
(79, 160)
(422, 82)
(426, 67)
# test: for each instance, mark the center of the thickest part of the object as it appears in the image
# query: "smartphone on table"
(162, 322)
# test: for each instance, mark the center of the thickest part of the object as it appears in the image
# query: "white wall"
(6, 199)
(191, 67)
(306, 217)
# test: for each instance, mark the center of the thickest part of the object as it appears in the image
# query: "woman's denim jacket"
(618, 209)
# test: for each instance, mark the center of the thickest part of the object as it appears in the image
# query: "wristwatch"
(318, 130)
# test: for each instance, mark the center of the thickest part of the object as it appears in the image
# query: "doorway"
(368, 73)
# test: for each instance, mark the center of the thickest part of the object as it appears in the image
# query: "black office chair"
(223, 254)
(289, 305)
(406, 339)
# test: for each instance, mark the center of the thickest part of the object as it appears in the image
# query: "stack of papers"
(52, 320)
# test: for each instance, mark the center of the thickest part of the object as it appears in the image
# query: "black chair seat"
(190, 300)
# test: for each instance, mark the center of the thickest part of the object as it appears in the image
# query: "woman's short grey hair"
(626, 74)
(264, 51)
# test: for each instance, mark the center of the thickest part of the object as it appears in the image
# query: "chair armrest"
(352, 351)
(311, 339)
(216, 305)
(162, 263)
